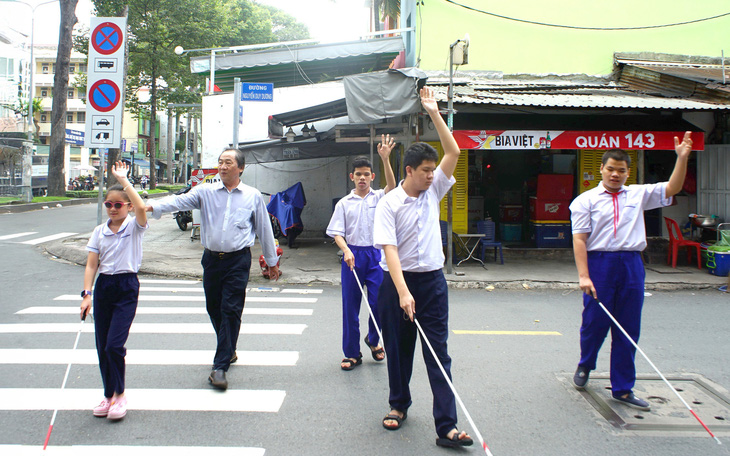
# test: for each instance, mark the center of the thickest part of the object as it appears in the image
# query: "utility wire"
(574, 27)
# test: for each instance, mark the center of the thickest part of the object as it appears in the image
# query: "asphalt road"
(514, 382)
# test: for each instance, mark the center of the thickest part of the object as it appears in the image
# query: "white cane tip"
(718, 441)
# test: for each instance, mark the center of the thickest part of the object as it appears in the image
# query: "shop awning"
(290, 66)
(279, 150)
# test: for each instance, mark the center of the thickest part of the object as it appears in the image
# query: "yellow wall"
(459, 214)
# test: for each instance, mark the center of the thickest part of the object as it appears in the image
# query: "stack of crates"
(550, 212)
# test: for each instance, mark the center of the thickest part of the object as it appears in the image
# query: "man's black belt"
(226, 255)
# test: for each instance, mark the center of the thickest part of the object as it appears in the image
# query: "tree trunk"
(56, 172)
(153, 130)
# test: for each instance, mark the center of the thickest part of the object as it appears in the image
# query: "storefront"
(524, 180)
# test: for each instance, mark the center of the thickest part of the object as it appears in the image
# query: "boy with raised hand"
(352, 228)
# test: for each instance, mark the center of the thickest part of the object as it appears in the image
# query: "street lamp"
(31, 66)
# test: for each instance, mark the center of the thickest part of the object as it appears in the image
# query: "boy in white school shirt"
(352, 228)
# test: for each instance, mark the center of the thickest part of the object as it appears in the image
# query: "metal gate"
(713, 181)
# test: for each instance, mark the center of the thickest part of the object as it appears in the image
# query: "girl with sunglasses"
(115, 251)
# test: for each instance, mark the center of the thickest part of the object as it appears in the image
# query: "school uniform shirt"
(230, 219)
(616, 221)
(354, 218)
(119, 252)
(412, 224)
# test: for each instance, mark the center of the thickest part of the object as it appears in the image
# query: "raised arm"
(451, 148)
(683, 149)
(120, 170)
(385, 147)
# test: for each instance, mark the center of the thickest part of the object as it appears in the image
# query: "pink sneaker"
(103, 408)
(118, 409)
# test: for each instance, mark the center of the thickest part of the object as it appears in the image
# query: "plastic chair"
(676, 240)
(487, 228)
(444, 227)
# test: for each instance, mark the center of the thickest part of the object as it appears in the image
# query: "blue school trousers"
(430, 292)
(115, 304)
(619, 281)
(225, 278)
(367, 266)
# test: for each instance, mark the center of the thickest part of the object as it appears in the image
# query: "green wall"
(511, 47)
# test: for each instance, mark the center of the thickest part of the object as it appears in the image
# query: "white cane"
(657, 370)
(372, 316)
(453, 390)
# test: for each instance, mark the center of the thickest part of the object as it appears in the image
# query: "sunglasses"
(116, 204)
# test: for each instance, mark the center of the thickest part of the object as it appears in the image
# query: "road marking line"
(199, 400)
(171, 281)
(303, 290)
(47, 310)
(148, 298)
(145, 357)
(52, 237)
(509, 333)
(16, 235)
(172, 289)
(154, 328)
(126, 450)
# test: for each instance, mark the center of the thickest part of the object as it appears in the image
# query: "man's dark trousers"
(224, 281)
(430, 292)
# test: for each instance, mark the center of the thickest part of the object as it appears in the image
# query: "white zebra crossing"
(158, 297)
(126, 450)
(36, 241)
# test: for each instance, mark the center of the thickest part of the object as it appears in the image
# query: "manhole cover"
(668, 413)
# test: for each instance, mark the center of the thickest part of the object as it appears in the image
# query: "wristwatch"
(85, 293)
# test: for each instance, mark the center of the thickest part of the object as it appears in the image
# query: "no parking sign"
(105, 82)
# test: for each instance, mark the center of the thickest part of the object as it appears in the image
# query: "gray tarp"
(372, 97)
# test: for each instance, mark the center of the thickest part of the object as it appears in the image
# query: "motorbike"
(285, 209)
(183, 217)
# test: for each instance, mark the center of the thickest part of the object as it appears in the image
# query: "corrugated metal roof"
(567, 96)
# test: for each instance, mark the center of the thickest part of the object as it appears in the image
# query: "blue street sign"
(75, 137)
(257, 91)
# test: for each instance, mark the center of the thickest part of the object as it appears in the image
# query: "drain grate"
(667, 413)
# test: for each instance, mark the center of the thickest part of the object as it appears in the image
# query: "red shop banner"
(586, 140)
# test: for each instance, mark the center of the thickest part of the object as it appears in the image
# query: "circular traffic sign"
(107, 38)
(104, 95)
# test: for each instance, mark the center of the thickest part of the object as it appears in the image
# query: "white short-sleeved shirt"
(616, 223)
(119, 252)
(354, 218)
(412, 224)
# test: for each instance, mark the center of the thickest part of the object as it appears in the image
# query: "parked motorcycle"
(285, 209)
(183, 217)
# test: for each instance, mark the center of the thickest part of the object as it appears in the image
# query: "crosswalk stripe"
(155, 328)
(52, 237)
(46, 310)
(16, 235)
(145, 357)
(172, 289)
(303, 290)
(126, 450)
(199, 400)
(171, 281)
(149, 298)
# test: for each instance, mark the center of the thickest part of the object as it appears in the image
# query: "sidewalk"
(169, 252)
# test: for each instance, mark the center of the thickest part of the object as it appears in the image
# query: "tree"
(21, 108)
(56, 184)
(156, 27)
(386, 9)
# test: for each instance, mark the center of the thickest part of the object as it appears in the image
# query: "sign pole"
(100, 196)
(236, 109)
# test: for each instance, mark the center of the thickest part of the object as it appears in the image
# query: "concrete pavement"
(170, 252)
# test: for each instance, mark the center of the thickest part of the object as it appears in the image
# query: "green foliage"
(82, 194)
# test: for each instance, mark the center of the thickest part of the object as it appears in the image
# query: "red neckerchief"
(614, 196)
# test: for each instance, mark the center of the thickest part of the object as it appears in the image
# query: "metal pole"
(211, 89)
(236, 109)
(30, 82)
(195, 142)
(170, 144)
(450, 195)
(100, 196)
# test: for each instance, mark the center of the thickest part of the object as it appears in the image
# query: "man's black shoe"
(234, 358)
(217, 378)
(633, 401)
(580, 379)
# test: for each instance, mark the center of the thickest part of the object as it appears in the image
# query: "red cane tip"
(48, 437)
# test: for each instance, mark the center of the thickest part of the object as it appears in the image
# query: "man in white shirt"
(407, 229)
(608, 237)
(232, 215)
(352, 228)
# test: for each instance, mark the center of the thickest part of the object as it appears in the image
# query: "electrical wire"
(574, 27)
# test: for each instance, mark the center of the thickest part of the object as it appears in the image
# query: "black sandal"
(375, 351)
(393, 417)
(455, 441)
(351, 364)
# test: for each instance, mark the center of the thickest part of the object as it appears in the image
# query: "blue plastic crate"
(718, 263)
(510, 232)
(551, 235)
